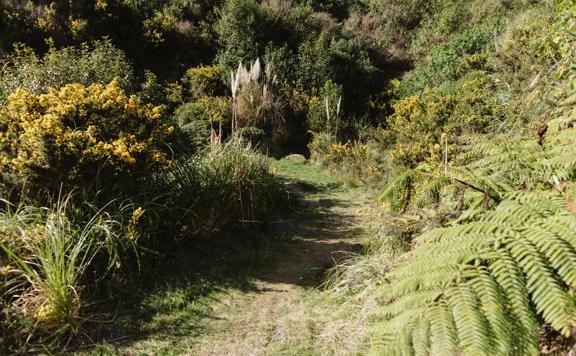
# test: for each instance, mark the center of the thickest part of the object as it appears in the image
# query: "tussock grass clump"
(226, 183)
(44, 255)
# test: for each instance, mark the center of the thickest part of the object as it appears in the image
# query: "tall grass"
(46, 255)
(53, 258)
(225, 184)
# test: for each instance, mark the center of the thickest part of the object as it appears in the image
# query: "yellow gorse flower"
(78, 126)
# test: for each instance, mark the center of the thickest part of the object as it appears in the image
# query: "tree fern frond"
(444, 337)
(441, 275)
(547, 293)
(421, 297)
(560, 253)
(494, 302)
(508, 274)
(481, 287)
(473, 327)
(421, 338)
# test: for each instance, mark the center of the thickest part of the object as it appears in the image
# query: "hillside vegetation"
(135, 131)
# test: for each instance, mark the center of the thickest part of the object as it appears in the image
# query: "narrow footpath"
(285, 309)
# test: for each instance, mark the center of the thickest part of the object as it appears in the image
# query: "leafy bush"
(202, 81)
(314, 64)
(197, 118)
(155, 26)
(398, 18)
(445, 59)
(419, 121)
(80, 137)
(99, 63)
(357, 160)
(324, 112)
(241, 28)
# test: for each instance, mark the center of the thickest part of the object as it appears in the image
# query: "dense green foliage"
(128, 128)
(86, 65)
(477, 287)
(501, 264)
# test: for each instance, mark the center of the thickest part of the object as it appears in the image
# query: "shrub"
(151, 90)
(212, 109)
(319, 146)
(325, 111)
(356, 160)
(418, 123)
(445, 59)
(314, 64)
(156, 26)
(80, 137)
(241, 28)
(202, 81)
(197, 118)
(399, 17)
(99, 63)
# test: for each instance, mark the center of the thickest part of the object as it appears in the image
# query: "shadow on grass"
(180, 286)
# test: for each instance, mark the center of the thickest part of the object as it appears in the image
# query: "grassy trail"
(279, 306)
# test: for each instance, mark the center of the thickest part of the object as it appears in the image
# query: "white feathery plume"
(244, 75)
(255, 70)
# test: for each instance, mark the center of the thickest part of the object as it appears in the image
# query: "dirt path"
(270, 302)
(286, 312)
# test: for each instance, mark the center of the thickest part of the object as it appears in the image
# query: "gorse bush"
(419, 122)
(492, 167)
(78, 136)
(356, 159)
(202, 81)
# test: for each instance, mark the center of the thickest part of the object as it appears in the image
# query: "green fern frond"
(474, 331)
(398, 192)
(509, 276)
(443, 334)
(479, 288)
